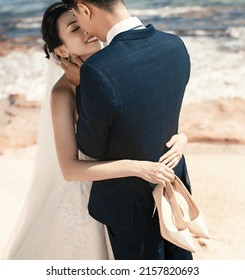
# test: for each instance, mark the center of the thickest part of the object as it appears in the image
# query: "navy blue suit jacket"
(128, 102)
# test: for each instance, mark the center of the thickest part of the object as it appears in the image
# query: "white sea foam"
(23, 73)
(165, 11)
(25, 25)
(217, 70)
(237, 32)
(28, 23)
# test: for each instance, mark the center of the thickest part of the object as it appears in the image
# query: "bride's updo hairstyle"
(50, 31)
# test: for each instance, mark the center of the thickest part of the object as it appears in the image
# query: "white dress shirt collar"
(124, 25)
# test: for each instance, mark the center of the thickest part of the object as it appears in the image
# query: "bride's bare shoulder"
(63, 86)
(62, 94)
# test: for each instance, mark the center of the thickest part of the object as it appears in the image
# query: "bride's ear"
(61, 51)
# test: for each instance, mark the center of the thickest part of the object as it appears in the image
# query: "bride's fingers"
(168, 176)
(161, 182)
(65, 62)
(174, 162)
(63, 66)
(170, 158)
(167, 155)
(68, 64)
(78, 61)
(161, 178)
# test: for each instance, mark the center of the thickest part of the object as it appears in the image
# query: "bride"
(55, 223)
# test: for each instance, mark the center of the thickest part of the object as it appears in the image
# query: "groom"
(129, 100)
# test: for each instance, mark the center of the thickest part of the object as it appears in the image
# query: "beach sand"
(217, 178)
(15, 180)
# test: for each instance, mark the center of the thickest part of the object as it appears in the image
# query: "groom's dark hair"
(102, 4)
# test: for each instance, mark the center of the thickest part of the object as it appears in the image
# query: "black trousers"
(143, 242)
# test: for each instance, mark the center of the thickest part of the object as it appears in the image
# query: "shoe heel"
(190, 211)
(172, 226)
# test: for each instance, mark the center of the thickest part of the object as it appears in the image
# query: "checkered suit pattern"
(129, 101)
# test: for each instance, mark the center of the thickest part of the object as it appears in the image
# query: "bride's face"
(76, 40)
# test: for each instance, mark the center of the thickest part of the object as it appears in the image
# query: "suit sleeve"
(97, 107)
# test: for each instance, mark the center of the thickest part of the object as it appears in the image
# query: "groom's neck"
(117, 16)
(110, 19)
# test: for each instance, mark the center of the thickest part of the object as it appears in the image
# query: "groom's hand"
(72, 69)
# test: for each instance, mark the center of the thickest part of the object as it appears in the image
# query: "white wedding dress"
(54, 222)
(58, 226)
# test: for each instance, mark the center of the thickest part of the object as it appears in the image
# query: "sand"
(15, 180)
(217, 177)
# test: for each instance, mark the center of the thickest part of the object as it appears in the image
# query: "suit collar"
(135, 34)
(122, 26)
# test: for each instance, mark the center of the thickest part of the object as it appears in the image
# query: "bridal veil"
(54, 222)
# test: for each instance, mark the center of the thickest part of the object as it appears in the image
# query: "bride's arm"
(73, 169)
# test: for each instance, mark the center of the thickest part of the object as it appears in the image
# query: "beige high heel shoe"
(191, 213)
(172, 226)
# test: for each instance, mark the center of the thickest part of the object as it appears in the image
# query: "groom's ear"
(61, 51)
(84, 9)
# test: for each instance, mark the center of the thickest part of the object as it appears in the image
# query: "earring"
(65, 54)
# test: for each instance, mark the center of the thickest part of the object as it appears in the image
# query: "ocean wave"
(194, 20)
(237, 32)
(166, 11)
(211, 18)
(236, 40)
(23, 73)
(28, 23)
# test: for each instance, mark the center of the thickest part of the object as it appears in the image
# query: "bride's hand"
(177, 143)
(72, 69)
(155, 172)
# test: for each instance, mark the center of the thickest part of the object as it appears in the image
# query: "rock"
(19, 100)
(221, 120)
(21, 44)
(18, 122)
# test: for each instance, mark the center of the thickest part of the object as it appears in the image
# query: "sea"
(19, 18)
(213, 30)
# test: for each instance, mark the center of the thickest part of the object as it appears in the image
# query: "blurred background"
(213, 113)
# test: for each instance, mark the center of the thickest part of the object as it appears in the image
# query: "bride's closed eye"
(75, 29)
